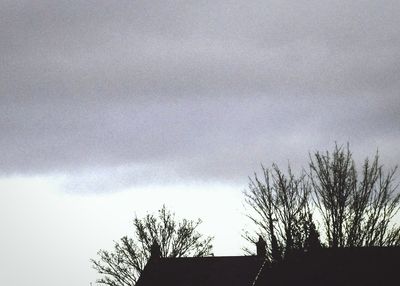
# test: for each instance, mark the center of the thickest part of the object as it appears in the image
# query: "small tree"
(123, 266)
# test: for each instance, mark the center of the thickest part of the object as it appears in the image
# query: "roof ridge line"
(259, 272)
(202, 257)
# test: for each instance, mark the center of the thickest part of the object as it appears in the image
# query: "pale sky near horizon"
(112, 108)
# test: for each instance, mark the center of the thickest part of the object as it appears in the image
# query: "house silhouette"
(325, 266)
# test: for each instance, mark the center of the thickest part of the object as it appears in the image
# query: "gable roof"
(201, 271)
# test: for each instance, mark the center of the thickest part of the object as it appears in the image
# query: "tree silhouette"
(123, 265)
(280, 205)
(312, 241)
(354, 210)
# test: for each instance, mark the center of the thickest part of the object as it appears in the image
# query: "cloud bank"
(146, 91)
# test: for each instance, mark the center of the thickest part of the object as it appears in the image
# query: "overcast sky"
(111, 108)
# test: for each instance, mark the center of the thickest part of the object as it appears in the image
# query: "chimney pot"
(155, 251)
(261, 247)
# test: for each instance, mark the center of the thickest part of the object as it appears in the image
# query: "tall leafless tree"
(123, 265)
(356, 210)
(280, 210)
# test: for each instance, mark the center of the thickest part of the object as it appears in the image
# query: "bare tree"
(355, 211)
(280, 210)
(123, 265)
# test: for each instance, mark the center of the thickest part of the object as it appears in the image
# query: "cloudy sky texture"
(103, 102)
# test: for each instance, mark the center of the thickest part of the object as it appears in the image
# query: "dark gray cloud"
(194, 90)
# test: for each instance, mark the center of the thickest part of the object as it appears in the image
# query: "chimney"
(261, 247)
(155, 250)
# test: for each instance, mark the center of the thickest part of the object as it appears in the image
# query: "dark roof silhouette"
(201, 271)
(336, 267)
(325, 266)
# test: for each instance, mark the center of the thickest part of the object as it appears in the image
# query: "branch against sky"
(280, 210)
(356, 210)
(123, 265)
(353, 209)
